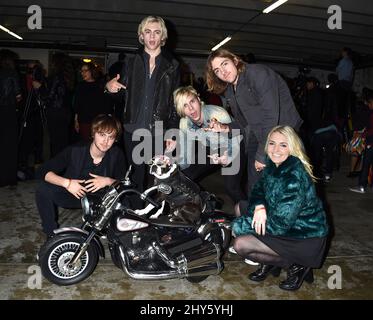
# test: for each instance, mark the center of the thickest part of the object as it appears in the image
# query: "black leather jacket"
(168, 80)
(9, 87)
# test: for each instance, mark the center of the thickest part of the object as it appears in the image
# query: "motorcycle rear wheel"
(54, 257)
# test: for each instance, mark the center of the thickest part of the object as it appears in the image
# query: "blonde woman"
(284, 225)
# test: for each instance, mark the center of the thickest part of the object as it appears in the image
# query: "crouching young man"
(79, 169)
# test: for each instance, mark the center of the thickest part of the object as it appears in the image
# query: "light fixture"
(10, 32)
(221, 43)
(86, 60)
(273, 6)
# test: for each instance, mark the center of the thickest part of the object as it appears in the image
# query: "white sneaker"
(251, 263)
(231, 250)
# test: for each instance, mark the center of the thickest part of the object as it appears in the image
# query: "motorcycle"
(144, 244)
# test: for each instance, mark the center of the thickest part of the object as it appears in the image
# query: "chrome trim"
(146, 276)
(64, 229)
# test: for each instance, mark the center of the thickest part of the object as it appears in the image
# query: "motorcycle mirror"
(164, 188)
(127, 177)
(128, 172)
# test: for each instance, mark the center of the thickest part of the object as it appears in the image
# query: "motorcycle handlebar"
(144, 196)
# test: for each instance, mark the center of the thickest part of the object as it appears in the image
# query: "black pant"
(367, 162)
(58, 120)
(48, 198)
(31, 141)
(329, 141)
(140, 172)
(232, 183)
(8, 142)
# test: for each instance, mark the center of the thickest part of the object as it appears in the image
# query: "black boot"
(263, 272)
(296, 274)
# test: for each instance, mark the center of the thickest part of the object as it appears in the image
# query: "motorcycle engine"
(140, 252)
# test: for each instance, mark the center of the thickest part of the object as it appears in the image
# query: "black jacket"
(9, 87)
(168, 79)
(69, 163)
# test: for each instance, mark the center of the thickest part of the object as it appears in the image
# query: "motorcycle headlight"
(86, 207)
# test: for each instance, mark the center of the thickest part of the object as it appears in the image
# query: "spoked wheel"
(55, 257)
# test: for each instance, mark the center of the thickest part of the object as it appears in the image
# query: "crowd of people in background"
(237, 93)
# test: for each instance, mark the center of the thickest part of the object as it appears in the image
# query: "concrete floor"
(346, 274)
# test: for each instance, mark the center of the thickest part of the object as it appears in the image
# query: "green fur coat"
(289, 196)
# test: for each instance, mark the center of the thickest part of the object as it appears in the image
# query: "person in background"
(89, 100)
(345, 73)
(368, 153)
(86, 167)
(259, 100)
(345, 69)
(10, 96)
(117, 67)
(284, 225)
(321, 119)
(57, 98)
(359, 122)
(33, 121)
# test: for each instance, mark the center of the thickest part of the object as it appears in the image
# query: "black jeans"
(367, 162)
(328, 140)
(233, 184)
(48, 198)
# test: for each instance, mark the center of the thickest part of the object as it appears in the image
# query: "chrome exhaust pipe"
(201, 261)
(206, 270)
(204, 255)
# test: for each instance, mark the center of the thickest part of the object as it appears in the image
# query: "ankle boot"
(295, 276)
(263, 272)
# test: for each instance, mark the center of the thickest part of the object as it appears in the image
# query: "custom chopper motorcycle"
(180, 234)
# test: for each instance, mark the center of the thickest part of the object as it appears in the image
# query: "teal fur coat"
(292, 206)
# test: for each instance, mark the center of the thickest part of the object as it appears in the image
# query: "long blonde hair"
(296, 147)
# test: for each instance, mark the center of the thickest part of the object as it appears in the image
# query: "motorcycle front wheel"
(55, 256)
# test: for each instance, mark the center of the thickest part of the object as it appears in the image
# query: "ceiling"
(296, 32)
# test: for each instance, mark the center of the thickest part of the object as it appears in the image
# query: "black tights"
(252, 248)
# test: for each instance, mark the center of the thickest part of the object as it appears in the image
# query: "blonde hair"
(180, 98)
(150, 19)
(214, 84)
(296, 147)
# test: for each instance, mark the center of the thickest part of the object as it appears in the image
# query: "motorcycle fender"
(69, 230)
